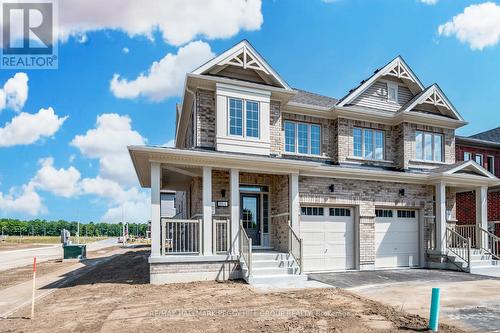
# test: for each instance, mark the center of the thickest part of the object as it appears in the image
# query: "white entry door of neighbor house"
(396, 238)
(328, 238)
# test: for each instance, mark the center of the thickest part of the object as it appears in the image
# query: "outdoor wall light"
(402, 192)
(332, 187)
(223, 193)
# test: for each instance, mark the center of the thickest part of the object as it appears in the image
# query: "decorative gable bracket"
(243, 58)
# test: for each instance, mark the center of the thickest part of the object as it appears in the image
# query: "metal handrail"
(458, 245)
(493, 244)
(245, 243)
(295, 247)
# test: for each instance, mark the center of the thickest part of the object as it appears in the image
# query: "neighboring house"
(484, 149)
(280, 181)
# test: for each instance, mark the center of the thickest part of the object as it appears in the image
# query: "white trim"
(246, 47)
(434, 89)
(385, 70)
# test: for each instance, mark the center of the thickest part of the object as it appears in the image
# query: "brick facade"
(205, 119)
(466, 201)
(365, 196)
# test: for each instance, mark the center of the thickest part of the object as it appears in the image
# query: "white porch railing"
(180, 236)
(493, 245)
(221, 236)
(467, 231)
(430, 230)
(245, 249)
(295, 247)
(458, 245)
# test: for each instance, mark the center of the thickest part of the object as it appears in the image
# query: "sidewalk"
(15, 297)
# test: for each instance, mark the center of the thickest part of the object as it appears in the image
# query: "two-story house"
(279, 181)
(484, 149)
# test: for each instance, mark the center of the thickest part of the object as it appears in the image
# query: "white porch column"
(235, 210)
(294, 201)
(441, 218)
(482, 215)
(207, 211)
(155, 209)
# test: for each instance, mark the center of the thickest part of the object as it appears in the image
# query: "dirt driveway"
(469, 300)
(117, 297)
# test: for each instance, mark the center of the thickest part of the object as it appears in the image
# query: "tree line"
(14, 227)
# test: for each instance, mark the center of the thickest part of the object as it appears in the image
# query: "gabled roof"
(245, 56)
(397, 68)
(432, 95)
(469, 167)
(492, 135)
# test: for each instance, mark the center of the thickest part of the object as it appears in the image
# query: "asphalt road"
(18, 258)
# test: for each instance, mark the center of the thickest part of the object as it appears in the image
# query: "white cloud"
(61, 182)
(15, 92)
(24, 200)
(132, 211)
(165, 78)
(27, 128)
(478, 25)
(429, 2)
(170, 143)
(125, 50)
(179, 21)
(108, 142)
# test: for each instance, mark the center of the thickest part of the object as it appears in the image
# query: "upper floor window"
(491, 164)
(302, 138)
(429, 146)
(369, 144)
(467, 156)
(479, 159)
(235, 116)
(241, 114)
(392, 92)
(252, 119)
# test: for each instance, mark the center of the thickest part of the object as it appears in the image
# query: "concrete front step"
(269, 255)
(491, 270)
(272, 279)
(273, 263)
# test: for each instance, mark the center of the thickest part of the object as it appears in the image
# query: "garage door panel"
(328, 243)
(396, 242)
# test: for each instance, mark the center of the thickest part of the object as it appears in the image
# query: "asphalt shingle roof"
(309, 98)
(492, 135)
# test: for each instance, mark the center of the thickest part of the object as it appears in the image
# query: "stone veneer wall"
(367, 195)
(279, 213)
(205, 122)
(276, 134)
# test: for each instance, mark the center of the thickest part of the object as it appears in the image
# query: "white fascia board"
(472, 164)
(231, 52)
(359, 90)
(424, 96)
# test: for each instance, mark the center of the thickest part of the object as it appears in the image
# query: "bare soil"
(117, 296)
(21, 274)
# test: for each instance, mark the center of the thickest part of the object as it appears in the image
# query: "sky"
(64, 132)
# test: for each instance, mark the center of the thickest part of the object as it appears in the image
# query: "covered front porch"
(461, 245)
(222, 216)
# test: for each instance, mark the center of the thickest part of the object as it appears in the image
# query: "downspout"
(195, 119)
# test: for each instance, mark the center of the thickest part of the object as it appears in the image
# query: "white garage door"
(328, 236)
(396, 238)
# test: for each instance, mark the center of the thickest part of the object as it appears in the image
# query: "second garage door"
(396, 238)
(328, 236)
